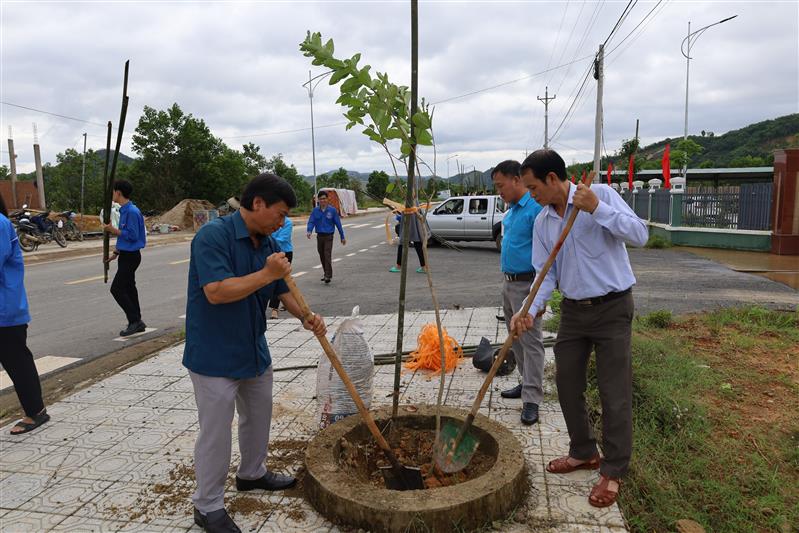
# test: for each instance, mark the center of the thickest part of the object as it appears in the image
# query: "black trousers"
(123, 288)
(274, 302)
(419, 253)
(324, 245)
(17, 360)
(607, 328)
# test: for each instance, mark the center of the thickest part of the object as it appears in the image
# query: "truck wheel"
(498, 242)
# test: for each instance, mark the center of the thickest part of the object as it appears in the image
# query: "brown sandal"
(600, 495)
(561, 465)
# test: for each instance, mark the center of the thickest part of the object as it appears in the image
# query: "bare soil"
(413, 447)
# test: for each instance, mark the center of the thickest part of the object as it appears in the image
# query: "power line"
(619, 22)
(640, 32)
(53, 114)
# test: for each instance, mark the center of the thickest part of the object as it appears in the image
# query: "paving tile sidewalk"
(117, 456)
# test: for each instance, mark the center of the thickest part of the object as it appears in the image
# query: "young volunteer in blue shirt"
(594, 275)
(131, 238)
(324, 218)
(516, 261)
(16, 358)
(283, 239)
(235, 268)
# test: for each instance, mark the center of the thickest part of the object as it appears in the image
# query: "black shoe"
(323, 279)
(270, 481)
(515, 392)
(136, 327)
(529, 413)
(501, 318)
(327, 280)
(216, 522)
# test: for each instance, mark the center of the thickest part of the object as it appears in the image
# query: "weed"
(657, 242)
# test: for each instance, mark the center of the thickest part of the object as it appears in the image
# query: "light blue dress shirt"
(283, 236)
(593, 260)
(516, 256)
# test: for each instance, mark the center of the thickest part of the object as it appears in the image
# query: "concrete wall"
(757, 241)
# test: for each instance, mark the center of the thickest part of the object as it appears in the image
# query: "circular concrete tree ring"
(343, 499)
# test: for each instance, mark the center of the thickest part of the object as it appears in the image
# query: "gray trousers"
(529, 347)
(324, 245)
(607, 328)
(216, 400)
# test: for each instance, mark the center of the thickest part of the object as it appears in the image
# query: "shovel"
(456, 446)
(396, 476)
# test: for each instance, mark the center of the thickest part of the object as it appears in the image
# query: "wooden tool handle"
(503, 352)
(336, 362)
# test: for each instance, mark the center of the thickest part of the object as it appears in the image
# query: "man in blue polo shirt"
(516, 260)
(131, 238)
(235, 268)
(325, 219)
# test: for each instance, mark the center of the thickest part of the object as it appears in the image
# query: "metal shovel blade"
(407, 478)
(450, 458)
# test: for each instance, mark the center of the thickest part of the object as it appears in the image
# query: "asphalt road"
(74, 315)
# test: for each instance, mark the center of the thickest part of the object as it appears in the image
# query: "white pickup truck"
(469, 218)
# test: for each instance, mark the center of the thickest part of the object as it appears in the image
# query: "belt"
(524, 276)
(600, 299)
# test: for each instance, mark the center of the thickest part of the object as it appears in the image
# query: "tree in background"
(254, 162)
(63, 184)
(681, 155)
(4, 172)
(179, 158)
(338, 179)
(302, 189)
(376, 186)
(356, 186)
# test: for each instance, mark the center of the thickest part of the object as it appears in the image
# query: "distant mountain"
(121, 160)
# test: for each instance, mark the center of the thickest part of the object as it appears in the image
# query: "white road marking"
(379, 226)
(336, 260)
(318, 266)
(359, 226)
(182, 316)
(298, 274)
(44, 365)
(374, 246)
(93, 278)
(363, 250)
(350, 255)
(179, 262)
(145, 332)
(382, 242)
(347, 225)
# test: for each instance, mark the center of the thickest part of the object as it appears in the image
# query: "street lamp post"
(450, 157)
(685, 48)
(310, 86)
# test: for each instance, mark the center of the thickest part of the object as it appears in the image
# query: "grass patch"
(656, 319)
(657, 242)
(716, 421)
(552, 323)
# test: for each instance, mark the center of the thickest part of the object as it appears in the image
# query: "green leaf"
(364, 77)
(424, 138)
(350, 85)
(338, 76)
(405, 148)
(329, 46)
(390, 187)
(421, 120)
(393, 133)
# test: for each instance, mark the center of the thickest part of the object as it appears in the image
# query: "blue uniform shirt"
(517, 236)
(325, 221)
(132, 235)
(227, 340)
(13, 301)
(283, 236)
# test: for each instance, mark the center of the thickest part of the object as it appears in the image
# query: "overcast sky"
(237, 66)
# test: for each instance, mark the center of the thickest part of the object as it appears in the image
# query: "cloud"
(237, 66)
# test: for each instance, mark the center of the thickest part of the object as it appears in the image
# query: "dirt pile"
(182, 214)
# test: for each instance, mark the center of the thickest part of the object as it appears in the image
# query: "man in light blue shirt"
(324, 218)
(593, 272)
(516, 261)
(283, 239)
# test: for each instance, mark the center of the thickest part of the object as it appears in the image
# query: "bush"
(658, 242)
(657, 319)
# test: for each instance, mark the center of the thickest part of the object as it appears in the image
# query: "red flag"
(572, 178)
(630, 171)
(666, 167)
(610, 171)
(583, 177)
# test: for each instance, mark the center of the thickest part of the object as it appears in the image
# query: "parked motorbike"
(38, 229)
(71, 229)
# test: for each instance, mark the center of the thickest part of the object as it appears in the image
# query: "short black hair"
(321, 194)
(542, 162)
(271, 189)
(123, 186)
(509, 167)
(3, 209)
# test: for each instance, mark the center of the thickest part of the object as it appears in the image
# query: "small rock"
(688, 526)
(768, 511)
(496, 524)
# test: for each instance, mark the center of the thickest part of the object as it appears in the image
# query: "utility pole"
(546, 100)
(12, 156)
(599, 75)
(37, 156)
(82, 176)
(313, 139)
